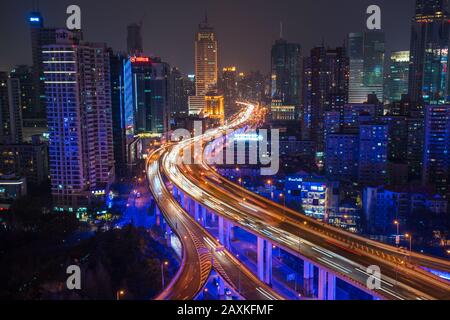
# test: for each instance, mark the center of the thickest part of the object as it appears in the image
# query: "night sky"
(246, 28)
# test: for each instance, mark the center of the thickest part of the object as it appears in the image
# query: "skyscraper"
(430, 39)
(79, 121)
(436, 166)
(40, 37)
(325, 88)
(179, 92)
(229, 89)
(24, 74)
(206, 66)
(366, 53)
(10, 110)
(150, 94)
(397, 80)
(135, 45)
(286, 73)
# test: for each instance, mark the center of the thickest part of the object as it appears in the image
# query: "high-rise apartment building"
(373, 154)
(325, 88)
(436, 164)
(42, 36)
(78, 91)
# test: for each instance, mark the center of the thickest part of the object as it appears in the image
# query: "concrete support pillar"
(322, 287)
(260, 259)
(182, 199)
(168, 234)
(175, 192)
(331, 291)
(228, 227)
(308, 278)
(221, 286)
(268, 263)
(204, 221)
(221, 231)
(197, 211)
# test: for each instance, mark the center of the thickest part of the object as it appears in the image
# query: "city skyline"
(299, 26)
(141, 159)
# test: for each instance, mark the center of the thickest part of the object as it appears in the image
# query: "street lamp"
(119, 294)
(397, 238)
(409, 236)
(163, 264)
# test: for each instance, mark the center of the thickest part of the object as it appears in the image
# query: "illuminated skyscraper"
(229, 89)
(325, 88)
(79, 119)
(430, 39)
(366, 53)
(150, 94)
(206, 66)
(397, 81)
(40, 37)
(286, 72)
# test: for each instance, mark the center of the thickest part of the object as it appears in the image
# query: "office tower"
(366, 54)
(141, 94)
(10, 110)
(373, 153)
(150, 94)
(78, 91)
(123, 116)
(341, 156)
(160, 98)
(286, 74)
(398, 74)
(325, 88)
(24, 74)
(179, 92)
(206, 66)
(135, 45)
(229, 89)
(430, 37)
(436, 162)
(40, 37)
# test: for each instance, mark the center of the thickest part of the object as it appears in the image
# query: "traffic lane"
(189, 279)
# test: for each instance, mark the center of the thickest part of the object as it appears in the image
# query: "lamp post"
(397, 237)
(119, 294)
(163, 264)
(409, 236)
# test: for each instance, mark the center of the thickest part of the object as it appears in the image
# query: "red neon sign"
(139, 59)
